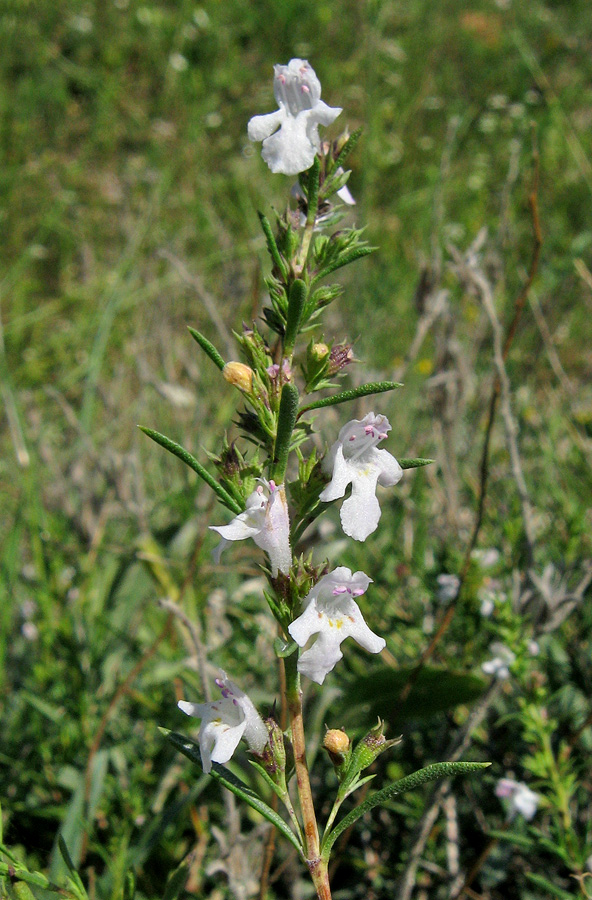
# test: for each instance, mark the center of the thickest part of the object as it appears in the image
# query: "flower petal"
(343, 474)
(261, 127)
(390, 470)
(289, 151)
(360, 513)
(321, 659)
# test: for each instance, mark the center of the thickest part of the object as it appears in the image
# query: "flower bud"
(372, 745)
(240, 375)
(277, 757)
(341, 355)
(340, 143)
(337, 745)
(319, 352)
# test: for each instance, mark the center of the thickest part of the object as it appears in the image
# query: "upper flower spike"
(297, 90)
(266, 520)
(224, 722)
(353, 459)
(333, 614)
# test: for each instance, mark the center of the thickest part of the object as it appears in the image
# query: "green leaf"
(35, 878)
(207, 347)
(434, 690)
(548, 886)
(176, 882)
(343, 260)
(347, 148)
(312, 193)
(232, 783)
(520, 840)
(287, 415)
(296, 303)
(129, 885)
(407, 463)
(22, 891)
(374, 387)
(65, 854)
(272, 247)
(191, 461)
(410, 783)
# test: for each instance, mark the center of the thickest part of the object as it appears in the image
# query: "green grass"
(128, 192)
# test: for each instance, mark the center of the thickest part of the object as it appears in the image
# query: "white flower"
(522, 799)
(266, 520)
(487, 604)
(353, 459)
(503, 658)
(332, 613)
(448, 587)
(224, 722)
(297, 90)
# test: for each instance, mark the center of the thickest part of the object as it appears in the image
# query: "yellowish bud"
(240, 375)
(319, 352)
(336, 742)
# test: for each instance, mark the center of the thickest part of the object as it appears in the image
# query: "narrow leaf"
(191, 461)
(347, 148)
(410, 783)
(406, 463)
(232, 783)
(520, 840)
(374, 387)
(207, 347)
(548, 886)
(287, 415)
(344, 260)
(312, 195)
(176, 882)
(272, 247)
(35, 878)
(296, 303)
(65, 853)
(22, 891)
(129, 885)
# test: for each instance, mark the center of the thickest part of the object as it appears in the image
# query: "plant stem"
(316, 865)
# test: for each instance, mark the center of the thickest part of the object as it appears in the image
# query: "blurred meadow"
(128, 206)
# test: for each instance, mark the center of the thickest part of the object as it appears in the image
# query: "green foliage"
(116, 168)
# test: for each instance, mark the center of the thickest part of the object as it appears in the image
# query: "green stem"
(311, 218)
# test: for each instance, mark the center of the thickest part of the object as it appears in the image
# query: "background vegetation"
(128, 207)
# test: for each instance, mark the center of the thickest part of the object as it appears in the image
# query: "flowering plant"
(275, 501)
